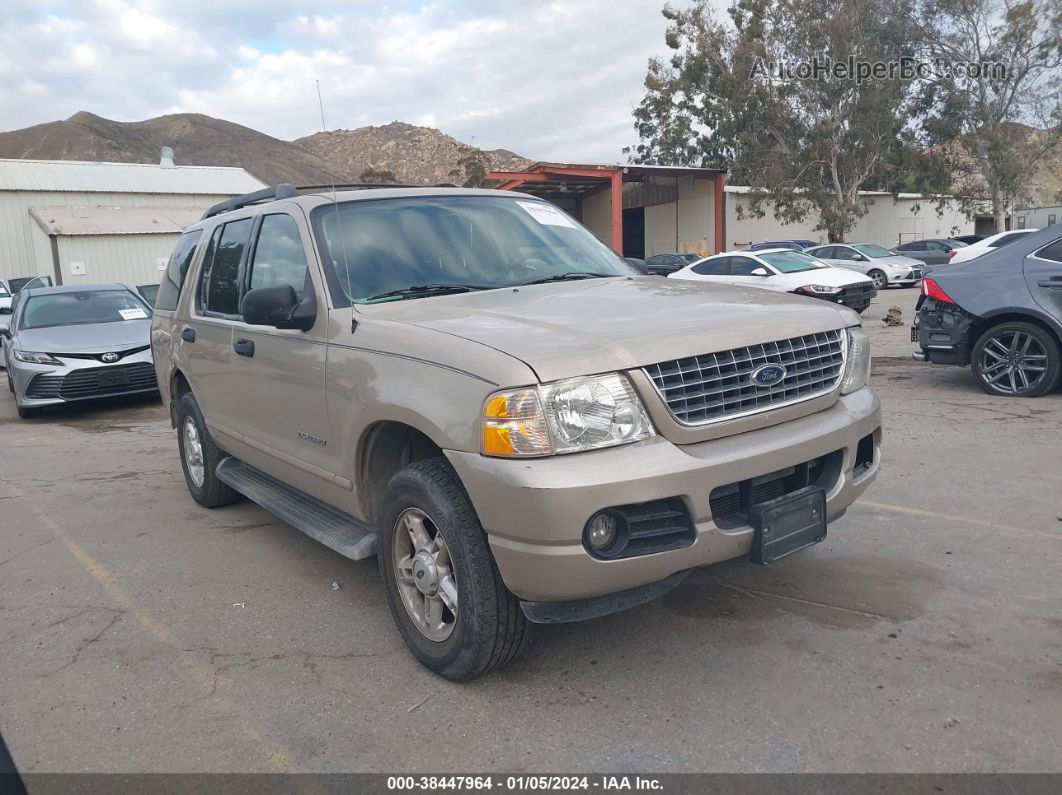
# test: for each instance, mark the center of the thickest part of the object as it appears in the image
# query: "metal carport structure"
(628, 186)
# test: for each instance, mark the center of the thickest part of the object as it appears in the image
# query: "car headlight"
(564, 417)
(857, 368)
(35, 358)
(817, 289)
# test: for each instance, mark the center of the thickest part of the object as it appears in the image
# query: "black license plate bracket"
(788, 524)
(112, 378)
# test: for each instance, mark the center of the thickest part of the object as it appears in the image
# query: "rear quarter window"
(177, 269)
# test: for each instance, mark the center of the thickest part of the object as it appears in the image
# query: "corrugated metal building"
(103, 222)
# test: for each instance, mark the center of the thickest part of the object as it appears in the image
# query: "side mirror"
(279, 307)
(759, 272)
(860, 258)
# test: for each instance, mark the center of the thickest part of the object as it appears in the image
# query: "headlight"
(857, 369)
(817, 289)
(564, 417)
(35, 358)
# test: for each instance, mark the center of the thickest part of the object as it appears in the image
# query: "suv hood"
(86, 337)
(603, 325)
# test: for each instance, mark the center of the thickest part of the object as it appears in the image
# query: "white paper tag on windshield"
(547, 214)
(132, 314)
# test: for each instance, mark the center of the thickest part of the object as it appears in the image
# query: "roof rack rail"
(285, 190)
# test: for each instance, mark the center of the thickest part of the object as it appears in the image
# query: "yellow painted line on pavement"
(201, 676)
(1024, 531)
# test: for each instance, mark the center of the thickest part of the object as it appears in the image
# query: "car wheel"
(881, 281)
(443, 587)
(1017, 360)
(200, 457)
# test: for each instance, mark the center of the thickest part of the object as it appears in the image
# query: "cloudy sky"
(550, 79)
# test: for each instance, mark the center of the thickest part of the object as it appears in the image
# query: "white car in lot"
(5, 298)
(882, 266)
(975, 250)
(785, 271)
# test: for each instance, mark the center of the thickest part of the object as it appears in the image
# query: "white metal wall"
(1036, 217)
(686, 225)
(24, 248)
(125, 259)
(889, 221)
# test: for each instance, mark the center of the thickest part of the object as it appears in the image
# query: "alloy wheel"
(880, 280)
(1013, 362)
(193, 452)
(424, 574)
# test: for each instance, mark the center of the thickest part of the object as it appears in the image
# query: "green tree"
(997, 124)
(472, 168)
(734, 95)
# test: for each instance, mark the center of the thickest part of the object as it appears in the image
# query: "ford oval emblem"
(767, 375)
(110, 358)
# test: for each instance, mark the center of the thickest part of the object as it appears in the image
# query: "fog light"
(602, 531)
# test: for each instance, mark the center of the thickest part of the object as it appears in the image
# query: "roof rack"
(285, 190)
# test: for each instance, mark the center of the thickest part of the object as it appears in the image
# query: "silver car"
(65, 344)
(881, 265)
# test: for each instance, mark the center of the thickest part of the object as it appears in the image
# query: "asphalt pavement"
(142, 633)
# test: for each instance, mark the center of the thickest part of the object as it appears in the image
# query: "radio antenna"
(339, 221)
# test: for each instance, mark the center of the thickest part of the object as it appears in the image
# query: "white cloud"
(550, 80)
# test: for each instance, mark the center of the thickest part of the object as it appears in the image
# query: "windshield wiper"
(571, 276)
(417, 290)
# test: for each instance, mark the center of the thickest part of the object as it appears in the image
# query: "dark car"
(796, 245)
(1001, 314)
(666, 264)
(934, 252)
(968, 239)
(19, 283)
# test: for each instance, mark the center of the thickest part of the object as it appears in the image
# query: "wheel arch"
(177, 387)
(385, 447)
(1013, 315)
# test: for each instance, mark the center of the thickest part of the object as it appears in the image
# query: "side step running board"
(322, 522)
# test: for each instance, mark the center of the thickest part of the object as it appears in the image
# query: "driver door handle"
(1054, 283)
(244, 347)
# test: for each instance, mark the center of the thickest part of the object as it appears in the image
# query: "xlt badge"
(308, 438)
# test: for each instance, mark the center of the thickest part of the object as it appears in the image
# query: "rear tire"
(488, 629)
(200, 457)
(1017, 360)
(881, 281)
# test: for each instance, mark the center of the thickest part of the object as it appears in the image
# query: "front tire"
(881, 281)
(445, 592)
(200, 457)
(1017, 360)
(27, 412)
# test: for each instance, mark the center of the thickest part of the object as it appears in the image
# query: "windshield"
(873, 251)
(391, 249)
(75, 309)
(791, 261)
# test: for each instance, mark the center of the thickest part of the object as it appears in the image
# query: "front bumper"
(912, 276)
(534, 510)
(80, 379)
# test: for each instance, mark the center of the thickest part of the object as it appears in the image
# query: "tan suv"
(470, 385)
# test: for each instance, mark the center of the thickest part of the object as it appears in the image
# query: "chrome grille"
(717, 386)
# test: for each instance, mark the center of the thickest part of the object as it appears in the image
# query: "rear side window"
(279, 257)
(1007, 239)
(1052, 252)
(177, 269)
(713, 267)
(221, 276)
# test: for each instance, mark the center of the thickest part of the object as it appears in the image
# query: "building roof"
(82, 176)
(113, 220)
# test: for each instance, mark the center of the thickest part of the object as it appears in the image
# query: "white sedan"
(784, 271)
(975, 250)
